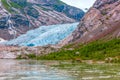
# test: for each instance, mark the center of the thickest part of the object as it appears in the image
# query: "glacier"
(44, 35)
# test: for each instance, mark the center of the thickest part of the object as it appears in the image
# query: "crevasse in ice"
(44, 35)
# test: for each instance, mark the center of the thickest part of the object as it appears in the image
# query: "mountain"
(101, 24)
(19, 16)
(97, 38)
(102, 21)
(44, 35)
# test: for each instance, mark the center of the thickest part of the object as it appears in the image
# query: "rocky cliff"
(101, 21)
(19, 16)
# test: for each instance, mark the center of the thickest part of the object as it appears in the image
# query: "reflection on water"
(83, 71)
(57, 70)
(30, 70)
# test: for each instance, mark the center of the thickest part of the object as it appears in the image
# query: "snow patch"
(2, 40)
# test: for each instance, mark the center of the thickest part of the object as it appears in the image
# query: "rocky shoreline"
(12, 52)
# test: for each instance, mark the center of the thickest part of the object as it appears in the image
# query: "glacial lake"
(56, 70)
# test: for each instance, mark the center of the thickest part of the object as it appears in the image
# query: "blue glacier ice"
(44, 35)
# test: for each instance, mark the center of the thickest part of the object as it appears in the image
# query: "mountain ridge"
(100, 26)
(101, 21)
(19, 16)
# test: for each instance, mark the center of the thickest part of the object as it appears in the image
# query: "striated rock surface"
(19, 16)
(101, 21)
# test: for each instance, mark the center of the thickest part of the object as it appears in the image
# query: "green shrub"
(6, 5)
(9, 6)
(98, 50)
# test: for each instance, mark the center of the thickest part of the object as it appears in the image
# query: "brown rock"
(101, 20)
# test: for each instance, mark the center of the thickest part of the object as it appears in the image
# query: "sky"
(82, 4)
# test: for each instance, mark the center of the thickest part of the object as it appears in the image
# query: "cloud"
(82, 4)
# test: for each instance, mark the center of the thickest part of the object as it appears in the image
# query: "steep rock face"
(19, 16)
(59, 6)
(102, 20)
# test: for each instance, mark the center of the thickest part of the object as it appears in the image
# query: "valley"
(51, 40)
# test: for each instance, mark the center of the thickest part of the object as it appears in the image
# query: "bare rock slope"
(101, 21)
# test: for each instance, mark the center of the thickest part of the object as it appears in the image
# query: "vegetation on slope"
(98, 50)
(9, 6)
(5, 4)
(15, 5)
